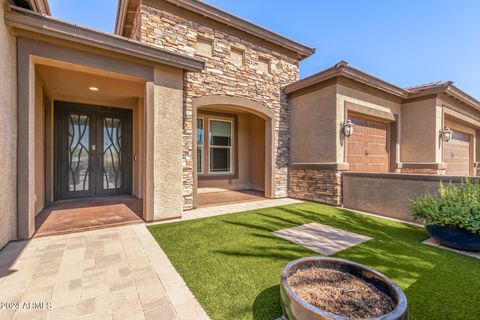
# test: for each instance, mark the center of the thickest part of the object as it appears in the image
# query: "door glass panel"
(112, 153)
(78, 152)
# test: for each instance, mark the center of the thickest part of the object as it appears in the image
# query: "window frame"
(206, 174)
(202, 146)
(230, 147)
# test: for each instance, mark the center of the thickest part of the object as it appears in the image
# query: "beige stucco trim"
(449, 112)
(233, 104)
(369, 109)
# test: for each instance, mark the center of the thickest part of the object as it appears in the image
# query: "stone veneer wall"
(172, 32)
(318, 185)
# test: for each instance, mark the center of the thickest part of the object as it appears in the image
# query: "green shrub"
(457, 205)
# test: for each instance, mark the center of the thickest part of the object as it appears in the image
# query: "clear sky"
(405, 42)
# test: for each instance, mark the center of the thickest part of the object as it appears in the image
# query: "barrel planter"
(454, 237)
(295, 308)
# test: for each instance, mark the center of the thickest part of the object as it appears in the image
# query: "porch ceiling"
(65, 83)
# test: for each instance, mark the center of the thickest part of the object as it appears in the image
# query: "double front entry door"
(93, 151)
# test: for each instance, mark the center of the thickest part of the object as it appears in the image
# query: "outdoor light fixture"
(347, 128)
(446, 134)
(93, 88)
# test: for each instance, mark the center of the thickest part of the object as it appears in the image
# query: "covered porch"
(97, 119)
(233, 151)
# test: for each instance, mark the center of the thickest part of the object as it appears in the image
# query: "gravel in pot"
(330, 288)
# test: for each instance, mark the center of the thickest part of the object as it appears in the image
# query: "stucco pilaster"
(164, 147)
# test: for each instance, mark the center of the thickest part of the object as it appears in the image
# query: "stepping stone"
(320, 238)
(434, 243)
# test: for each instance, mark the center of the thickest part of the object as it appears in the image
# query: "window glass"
(200, 145)
(219, 159)
(220, 133)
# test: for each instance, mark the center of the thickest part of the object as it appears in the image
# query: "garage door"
(367, 148)
(456, 154)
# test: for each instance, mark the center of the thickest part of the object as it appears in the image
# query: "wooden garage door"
(456, 154)
(367, 148)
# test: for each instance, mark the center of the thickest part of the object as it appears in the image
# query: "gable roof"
(127, 9)
(344, 70)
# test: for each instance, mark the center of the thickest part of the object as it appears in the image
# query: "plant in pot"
(453, 217)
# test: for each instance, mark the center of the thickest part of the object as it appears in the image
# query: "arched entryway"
(233, 147)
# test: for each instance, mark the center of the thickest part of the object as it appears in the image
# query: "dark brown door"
(93, 151)
(456, 154)
(367, 149)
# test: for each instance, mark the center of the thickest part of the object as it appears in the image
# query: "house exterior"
(185, 97)
(395, 130)
(246, 68)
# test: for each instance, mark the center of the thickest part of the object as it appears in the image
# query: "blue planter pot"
(454, 237)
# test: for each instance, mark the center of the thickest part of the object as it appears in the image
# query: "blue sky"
(405, 42)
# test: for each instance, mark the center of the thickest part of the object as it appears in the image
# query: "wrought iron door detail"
(93, 151)
(112, 166)
(78, 159)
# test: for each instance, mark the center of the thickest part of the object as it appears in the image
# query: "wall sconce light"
(446, 134)
(347, 128)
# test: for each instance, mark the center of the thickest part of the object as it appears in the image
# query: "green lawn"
(232, 263)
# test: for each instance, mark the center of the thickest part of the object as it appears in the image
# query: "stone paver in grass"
(115, 273)
(434, 243)
(320, 238)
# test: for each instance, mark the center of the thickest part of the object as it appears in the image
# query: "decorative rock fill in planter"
(361, 277)
(454, 237)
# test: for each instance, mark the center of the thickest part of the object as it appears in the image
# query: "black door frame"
(96, 114)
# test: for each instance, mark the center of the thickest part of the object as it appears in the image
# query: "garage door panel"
(367, 148)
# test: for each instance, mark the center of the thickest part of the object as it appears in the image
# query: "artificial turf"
(232, 263)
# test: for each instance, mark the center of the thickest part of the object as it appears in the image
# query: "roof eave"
(26, 20)
(228, 19)
(462, 96)
(342, 69)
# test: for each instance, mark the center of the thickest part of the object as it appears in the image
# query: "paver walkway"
(230, 208)
(116, 273)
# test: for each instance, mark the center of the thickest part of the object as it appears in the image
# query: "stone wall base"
(319, 185)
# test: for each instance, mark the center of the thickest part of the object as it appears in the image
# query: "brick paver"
(115, 273)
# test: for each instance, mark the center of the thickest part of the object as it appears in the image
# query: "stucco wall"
(257, 153)
(165, 140)
(168, 27)
(313, 126)
(39, 145)
(388, 194)
(363, 100)
(418, 131)
(8, 133)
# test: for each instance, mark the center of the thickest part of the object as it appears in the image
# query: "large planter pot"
(295, 308)
(454, 237)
